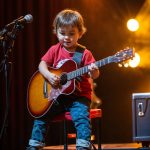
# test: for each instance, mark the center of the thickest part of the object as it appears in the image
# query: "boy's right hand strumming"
(53, 79)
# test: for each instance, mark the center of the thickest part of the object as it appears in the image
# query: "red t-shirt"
(57, 54)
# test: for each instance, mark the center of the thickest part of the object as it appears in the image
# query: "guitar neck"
(84, 70)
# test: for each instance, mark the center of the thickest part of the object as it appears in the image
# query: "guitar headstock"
(123, 55)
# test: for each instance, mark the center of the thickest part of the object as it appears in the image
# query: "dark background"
(106, 34)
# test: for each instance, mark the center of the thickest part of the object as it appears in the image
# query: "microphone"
(21, 20)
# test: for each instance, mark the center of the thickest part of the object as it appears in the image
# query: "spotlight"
(132, 25)
(134, 62)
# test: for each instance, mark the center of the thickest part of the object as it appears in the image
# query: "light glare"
(132, 25)
(135, 61)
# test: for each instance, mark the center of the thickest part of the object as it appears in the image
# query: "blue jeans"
(79, 110)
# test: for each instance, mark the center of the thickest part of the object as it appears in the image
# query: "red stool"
(94, 113)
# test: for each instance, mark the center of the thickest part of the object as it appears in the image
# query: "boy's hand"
(54, 80)
(93, 70)
(92, 67)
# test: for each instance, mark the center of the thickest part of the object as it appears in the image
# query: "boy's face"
(68, 36)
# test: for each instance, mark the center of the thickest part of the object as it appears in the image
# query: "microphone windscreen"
(28, 18)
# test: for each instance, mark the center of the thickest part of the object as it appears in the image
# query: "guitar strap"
(77, 57)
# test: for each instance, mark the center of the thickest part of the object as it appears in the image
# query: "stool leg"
(99, 133)
(65, 136)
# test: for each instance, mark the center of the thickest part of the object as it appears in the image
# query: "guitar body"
(41, 95)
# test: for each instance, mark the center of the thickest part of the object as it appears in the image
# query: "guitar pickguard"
(64, 89)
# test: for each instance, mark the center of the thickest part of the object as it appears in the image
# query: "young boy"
(69, 28)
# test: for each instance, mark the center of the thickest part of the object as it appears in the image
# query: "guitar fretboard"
(84, 70)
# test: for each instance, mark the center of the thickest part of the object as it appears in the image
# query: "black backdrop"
(106, 34)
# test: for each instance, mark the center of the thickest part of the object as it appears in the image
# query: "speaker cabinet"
(141, 118)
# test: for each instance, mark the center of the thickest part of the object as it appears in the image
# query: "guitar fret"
(109, 59)
(82, 70)
(76, 73)
(103, 61)
(72, 75)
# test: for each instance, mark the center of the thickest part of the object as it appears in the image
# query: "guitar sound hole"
(63, 79)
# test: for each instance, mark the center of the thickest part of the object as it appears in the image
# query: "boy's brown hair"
(69, 17)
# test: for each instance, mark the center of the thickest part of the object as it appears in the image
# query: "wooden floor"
(123, 146)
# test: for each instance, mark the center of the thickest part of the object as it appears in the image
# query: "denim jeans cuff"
(36, 143)
(83, 143)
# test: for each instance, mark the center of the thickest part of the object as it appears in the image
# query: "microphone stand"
(7, 41)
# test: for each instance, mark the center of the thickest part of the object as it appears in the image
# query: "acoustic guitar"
(41, 95)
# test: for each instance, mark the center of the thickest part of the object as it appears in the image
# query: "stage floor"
(123, 146)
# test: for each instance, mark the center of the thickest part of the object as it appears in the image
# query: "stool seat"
(94, 113)
(66, 116)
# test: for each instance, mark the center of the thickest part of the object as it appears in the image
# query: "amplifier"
(141, 118)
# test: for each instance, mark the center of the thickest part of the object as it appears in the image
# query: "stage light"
(132, 25)
(123, 64)
(135, 61)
